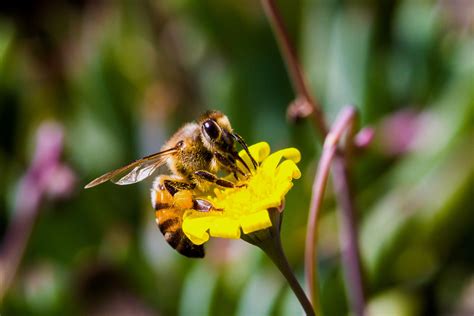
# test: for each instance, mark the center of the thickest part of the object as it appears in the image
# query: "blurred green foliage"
(121, 76)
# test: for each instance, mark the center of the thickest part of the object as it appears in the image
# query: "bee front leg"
(229, 163)
(209, 177)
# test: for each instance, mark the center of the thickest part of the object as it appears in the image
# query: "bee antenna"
(242, 143)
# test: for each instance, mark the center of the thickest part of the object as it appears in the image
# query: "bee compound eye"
(211, 129)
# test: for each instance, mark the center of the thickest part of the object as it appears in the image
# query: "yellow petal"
(273, 160)
(273, 200)
(225, 228)
(287, 170)
(195, 228)
(256, 221)
(283, 189)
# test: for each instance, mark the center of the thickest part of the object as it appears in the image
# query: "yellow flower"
(245, 207)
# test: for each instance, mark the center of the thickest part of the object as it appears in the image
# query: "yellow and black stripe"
(169, 217)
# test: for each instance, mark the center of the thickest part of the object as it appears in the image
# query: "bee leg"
(207, 176)
(164, 189)
(204, 206)
(228, 163)
(173, 186)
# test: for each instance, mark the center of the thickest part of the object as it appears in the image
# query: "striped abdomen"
(169, 217)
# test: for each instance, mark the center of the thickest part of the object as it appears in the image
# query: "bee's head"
(218, 136)
(216, 132)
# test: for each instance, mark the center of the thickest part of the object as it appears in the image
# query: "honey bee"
(194, 154)
(169, 210)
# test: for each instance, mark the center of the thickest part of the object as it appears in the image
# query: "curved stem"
(344, 121)
(292, 64)
(348, 236)
(319, 186)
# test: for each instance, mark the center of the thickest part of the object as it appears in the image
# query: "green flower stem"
(269, 241)
(275, 252)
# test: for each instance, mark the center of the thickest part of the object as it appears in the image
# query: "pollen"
(183, 199)
(244, 209)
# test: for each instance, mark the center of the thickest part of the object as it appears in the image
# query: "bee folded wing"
(135, 171)
(138, 173)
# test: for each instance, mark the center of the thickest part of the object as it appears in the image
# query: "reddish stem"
(292, 64)
(351, 263)
(344, 121)
(348, 238)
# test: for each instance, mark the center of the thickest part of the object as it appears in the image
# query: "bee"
(194, 155)
(169, 210)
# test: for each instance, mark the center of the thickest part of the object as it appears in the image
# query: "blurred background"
(87, 86)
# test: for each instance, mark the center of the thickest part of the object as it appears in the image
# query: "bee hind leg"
(163, 192)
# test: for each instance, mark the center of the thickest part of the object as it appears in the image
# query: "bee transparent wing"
(135, 171)
(142, 171)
